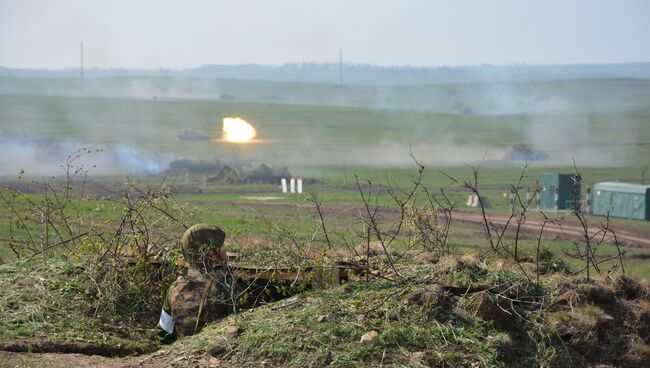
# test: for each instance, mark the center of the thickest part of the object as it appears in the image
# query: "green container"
(622, 200)
(558, 191)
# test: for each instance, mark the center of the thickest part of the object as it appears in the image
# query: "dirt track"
(569, 230)
(635, 234)
(628, 233)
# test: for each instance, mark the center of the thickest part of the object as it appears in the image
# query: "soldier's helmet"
(203, 243)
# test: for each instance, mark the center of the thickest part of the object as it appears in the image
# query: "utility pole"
(81, 54)
(341, 66)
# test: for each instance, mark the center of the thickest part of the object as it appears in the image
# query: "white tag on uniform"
(166, 322)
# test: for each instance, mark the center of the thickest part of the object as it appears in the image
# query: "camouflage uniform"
(205, 291)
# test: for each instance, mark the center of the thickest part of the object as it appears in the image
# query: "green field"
(330, 133)
(351, 140)
(568, 120)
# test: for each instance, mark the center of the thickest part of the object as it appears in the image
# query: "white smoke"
(46, 158)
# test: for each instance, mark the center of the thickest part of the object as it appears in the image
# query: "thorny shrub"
(117, 234)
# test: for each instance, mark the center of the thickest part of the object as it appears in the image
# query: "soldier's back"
(195, 299)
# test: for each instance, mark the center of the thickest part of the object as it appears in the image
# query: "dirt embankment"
(57, 360)
(65, 360)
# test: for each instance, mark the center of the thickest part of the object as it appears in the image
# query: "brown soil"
(161, 358)
(570, 229)
(11, 359)
(40, 352)
(41, 345)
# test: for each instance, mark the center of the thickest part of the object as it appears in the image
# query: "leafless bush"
(313, 197)
(114, 234)
(415, 221)
(519, 207)
(592, 240)
(53, 219)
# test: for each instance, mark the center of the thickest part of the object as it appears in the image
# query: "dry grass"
(575, 290)
(631, 287)
(452, 263)
(638, 355)
(433, 299)
(371, 250)
(578, 328)
(605, 319)
(491, 308)
(640, 320)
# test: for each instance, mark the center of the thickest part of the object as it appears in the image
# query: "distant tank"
(190, 135)
(522, 152)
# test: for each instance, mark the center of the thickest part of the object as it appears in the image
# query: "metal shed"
(622, 200)
(558, 191)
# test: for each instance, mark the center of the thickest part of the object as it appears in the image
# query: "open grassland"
(247, 217)
(580, 125)
(481, 98)
(603, 124)
(352, 140)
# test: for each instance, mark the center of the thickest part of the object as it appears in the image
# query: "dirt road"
(628, 233)
(566, 230)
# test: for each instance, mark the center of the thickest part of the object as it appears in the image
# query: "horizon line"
(318, 63)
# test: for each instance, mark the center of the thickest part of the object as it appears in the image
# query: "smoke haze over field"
(142, 123)
(392, 154)
(328, 73)
(22, 156)
(323, 83)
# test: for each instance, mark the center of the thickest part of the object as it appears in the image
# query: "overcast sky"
(189, 33)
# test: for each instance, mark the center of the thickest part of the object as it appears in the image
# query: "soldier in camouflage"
(205, 291)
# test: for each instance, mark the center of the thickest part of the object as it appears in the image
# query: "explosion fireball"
(237, 130)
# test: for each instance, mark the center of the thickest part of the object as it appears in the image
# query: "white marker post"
(299, 184)
(474, 200)
(292, 185)
(283, 181)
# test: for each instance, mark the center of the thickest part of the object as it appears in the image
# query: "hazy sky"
(189, 33)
